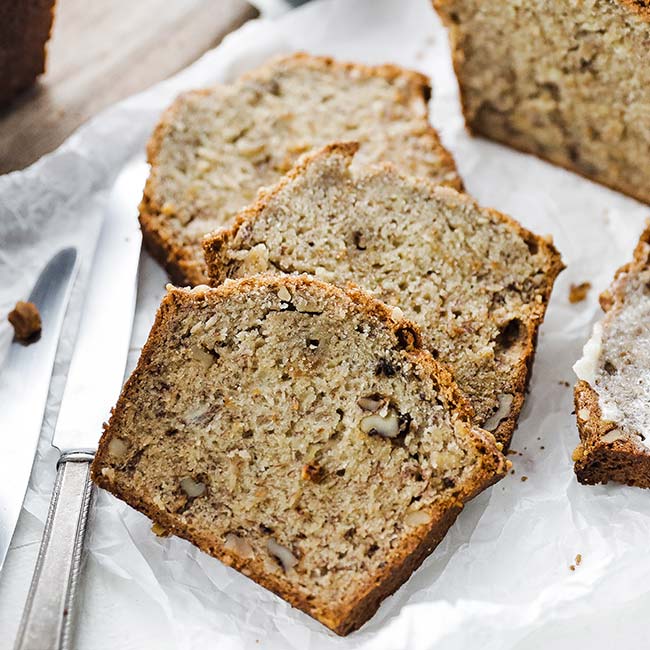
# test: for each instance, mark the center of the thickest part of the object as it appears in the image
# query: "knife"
(94, 381)
(24, 384)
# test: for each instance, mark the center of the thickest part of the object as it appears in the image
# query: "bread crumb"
(524, 479)
(26, 321)
(578, 292)
(572, 567)
(158, 530)
(577, 454)
(578, 559)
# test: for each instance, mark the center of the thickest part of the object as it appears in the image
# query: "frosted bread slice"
(213, 149)
(474, 280)
(612, 396)
(300, 434)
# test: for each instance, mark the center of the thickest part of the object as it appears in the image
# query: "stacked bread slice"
(301, 425)
(475, 282)
(612, 396)
(213, 149)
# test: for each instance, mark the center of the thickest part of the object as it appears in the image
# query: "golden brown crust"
(214, 247)
(640, 7)
(158, 240)
(173, 255)
(345, 617)
(621, 460)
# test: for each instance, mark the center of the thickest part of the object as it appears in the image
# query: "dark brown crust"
(624, 460)
(215, 250)
(345, 617)
(172, 255)
(640, 8)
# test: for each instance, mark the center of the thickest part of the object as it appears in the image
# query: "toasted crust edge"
(180, 266)
(350, 615)
(214, 249)
(621, 461)
(473, 128)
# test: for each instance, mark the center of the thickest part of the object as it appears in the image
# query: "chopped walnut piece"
(578, 292)
(312, 472)
(26, 321)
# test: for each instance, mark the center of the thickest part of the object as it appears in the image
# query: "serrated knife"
(93, 384)
(24, 384)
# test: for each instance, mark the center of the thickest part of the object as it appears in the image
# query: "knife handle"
(46, 621)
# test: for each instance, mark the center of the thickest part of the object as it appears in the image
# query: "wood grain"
(103, 51)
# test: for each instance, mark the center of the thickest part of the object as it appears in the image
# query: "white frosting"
(616, 360)
(585, 368)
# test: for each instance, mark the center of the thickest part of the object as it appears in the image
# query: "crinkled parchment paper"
(501, 577)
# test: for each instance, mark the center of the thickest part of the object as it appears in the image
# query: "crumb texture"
(299, 435)
(475, 282)
(568, 81)
(614, 388)
(26, 321)
(214, 149)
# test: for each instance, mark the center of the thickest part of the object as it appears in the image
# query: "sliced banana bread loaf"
(215, 148)
(475, 281)
(300, 434)
(612, 396)
(566, 80)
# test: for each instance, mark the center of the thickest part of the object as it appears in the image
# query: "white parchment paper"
(501, 577)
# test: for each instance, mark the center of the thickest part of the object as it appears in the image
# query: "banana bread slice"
(213, 149)
(568, 81)
(612, 396)
(474, 280)
(300, 434)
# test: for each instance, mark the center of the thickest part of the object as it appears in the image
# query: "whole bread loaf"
(474, 280)
(300, 434)
(213, 149)
(612, 396)
(568, 81)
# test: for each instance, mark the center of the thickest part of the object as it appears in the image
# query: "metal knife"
(24, 384)
(94, 381)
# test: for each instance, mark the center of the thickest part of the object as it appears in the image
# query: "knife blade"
(97, 367)
(24, 384)
(94, 381)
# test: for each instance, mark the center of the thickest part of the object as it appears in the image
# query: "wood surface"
(102, 51)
